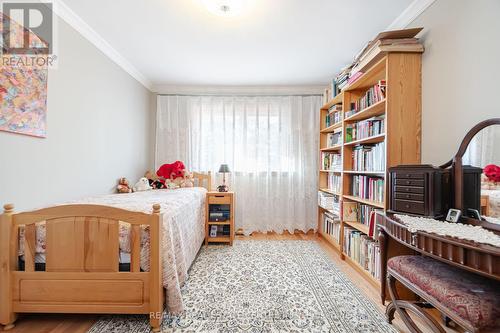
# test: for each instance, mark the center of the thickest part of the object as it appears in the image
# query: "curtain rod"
(240, 95)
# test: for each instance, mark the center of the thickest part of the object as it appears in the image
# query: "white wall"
(461, 67)
(99, 129)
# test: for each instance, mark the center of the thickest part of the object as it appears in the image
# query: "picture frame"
(453, 215)
(350, 211)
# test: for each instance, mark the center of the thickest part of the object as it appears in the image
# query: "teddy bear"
(123, 186)
(142, 185)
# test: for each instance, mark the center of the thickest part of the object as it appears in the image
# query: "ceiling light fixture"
(227, 8)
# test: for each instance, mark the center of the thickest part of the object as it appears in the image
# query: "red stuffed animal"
(492, 171)
(171, 171)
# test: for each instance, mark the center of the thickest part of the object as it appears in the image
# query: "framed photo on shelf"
(350, 211)
(453, 215)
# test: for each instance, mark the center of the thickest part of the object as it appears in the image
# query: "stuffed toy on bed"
(142, 185)
(123, 186)
(176, 175)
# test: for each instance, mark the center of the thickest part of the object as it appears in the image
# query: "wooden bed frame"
(82, 269)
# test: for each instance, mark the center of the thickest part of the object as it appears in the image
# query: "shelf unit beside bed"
(401, 110)
(220, 214)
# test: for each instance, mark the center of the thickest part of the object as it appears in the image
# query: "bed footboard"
(81, 271)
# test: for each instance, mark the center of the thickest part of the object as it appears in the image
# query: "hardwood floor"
(54, 323)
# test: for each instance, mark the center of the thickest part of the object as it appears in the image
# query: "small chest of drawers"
(420, 190)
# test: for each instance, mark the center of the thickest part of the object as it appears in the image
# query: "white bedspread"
(183, 228)
(494, 196)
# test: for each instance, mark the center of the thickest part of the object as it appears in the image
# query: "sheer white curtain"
(269, 143)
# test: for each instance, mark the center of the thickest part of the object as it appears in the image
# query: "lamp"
(226, 8)
(223, 169)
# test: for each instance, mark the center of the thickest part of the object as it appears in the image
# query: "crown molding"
(77, 23)
(238, 90)
(416, 8)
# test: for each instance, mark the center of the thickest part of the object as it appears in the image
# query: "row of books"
(331, 226)
(334, 115)
(372, 96)
(331, 161)
(329, 202)
(363, 250)
(361, 213)
(365, 129)
(334, 139)
(369, 157)
(368, 187)
(334, 182)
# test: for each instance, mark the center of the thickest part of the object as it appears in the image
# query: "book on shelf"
(372, 96)
(363, 250)
(331, 226)
(369, 157)
(360, 213)
(334, 115)
(365, 128)
(334, 182)
(368, 187)
(331, 161)
(329, 202)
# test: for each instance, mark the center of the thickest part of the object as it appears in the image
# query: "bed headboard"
(200, 179)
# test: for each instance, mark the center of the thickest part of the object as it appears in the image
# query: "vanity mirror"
(475, 171)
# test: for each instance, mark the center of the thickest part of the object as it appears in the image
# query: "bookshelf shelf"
(332, 148)
(219, 239)
(376, 109)
(365, 201)
(218, 223)
(331, 240)
(401, 72)
(359, 226)
(332, 128)
(371, 139)
(329, 191)
(375, 173)
(327, 210)
(336, 100)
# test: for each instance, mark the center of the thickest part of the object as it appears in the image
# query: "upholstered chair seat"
(472, 297)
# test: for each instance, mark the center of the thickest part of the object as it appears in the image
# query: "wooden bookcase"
(402, 137)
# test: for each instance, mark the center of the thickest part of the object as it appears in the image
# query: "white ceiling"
(274, 42)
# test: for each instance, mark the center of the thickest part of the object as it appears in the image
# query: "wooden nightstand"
(219, 210)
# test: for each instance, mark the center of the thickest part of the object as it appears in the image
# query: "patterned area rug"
(264, 286)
